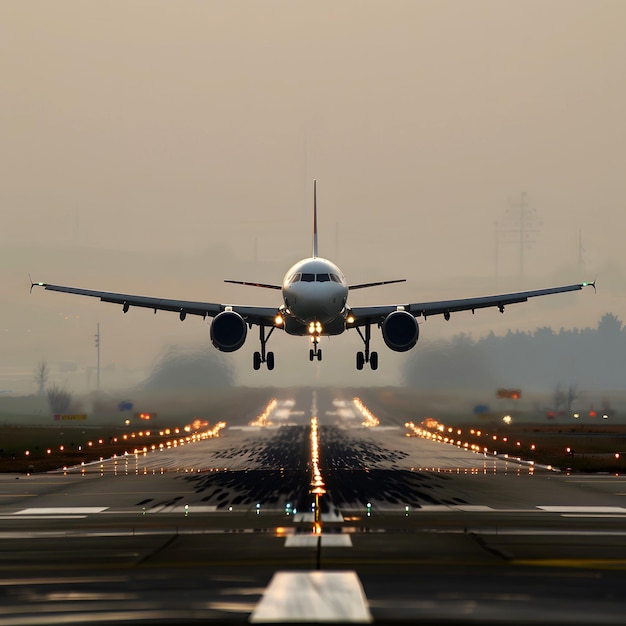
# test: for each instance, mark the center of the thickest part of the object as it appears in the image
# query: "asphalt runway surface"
(222, 530)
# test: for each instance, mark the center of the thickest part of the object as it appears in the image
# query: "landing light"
(278, 320)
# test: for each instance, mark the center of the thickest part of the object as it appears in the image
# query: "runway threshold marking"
(62, 510)
(583, 509)
(579, 563)
(314, 596)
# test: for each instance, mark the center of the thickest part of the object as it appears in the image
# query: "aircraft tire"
(270, 360)
(311, 354)
(256, 360)
(360, 360)
(319, 354)
(374, 360)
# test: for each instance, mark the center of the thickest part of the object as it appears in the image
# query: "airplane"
(314, 304)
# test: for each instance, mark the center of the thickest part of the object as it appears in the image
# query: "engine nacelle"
(228, 331)
(400, 331)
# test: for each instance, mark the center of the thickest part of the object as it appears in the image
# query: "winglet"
(314, 218)
(32, 284)
(591, 284)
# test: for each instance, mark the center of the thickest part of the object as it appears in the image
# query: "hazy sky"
(159, 147)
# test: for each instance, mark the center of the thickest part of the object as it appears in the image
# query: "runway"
(221, 530)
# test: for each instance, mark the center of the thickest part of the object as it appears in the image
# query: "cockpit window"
(310, 278)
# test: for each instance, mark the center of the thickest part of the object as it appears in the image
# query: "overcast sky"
(158, 147)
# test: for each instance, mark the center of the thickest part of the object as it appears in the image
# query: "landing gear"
(366, 357)
(315, 353)
(263, 357)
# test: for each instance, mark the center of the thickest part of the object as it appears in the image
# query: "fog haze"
(158, 148)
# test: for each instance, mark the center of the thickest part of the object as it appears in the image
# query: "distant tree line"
(589, 358)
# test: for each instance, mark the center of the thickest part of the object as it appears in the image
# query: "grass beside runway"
(43, 448)
(578, 447)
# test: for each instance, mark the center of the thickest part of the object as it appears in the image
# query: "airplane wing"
(374, 314)
(251, 314)
(381, 282)
(244, 282)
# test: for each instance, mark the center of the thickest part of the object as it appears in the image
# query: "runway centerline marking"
(310, 541)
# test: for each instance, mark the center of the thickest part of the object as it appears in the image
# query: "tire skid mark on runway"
(164, 546)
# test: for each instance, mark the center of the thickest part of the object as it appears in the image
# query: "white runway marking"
(310, 541)
(62, 510)
(583, 509)
(326, 517)
(313, 597)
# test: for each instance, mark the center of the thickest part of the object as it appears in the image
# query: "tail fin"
(314, 218)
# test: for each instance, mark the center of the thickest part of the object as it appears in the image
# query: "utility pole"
(97, 336)
(581, 250)
(497, 231)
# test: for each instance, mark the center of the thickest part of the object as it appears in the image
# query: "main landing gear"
(263, 357)
(366, 357)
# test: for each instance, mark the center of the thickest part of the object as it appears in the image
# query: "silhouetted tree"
(181, 368)
(582, 357)
(59, 399)
(41, 377)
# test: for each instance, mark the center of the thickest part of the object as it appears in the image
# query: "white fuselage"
(315, 290)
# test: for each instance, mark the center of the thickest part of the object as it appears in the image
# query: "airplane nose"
(308, 305)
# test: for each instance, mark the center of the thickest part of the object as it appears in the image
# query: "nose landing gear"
(315, 352)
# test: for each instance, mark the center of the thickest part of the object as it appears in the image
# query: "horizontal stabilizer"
(243, 282)
(383, 282)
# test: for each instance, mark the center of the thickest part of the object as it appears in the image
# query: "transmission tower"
(522, 222)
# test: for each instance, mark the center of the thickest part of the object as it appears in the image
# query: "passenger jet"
(314, 304)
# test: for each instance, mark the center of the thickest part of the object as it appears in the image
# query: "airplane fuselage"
(315, 293)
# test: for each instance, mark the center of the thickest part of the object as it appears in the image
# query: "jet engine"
(228, 331)
(400, 331)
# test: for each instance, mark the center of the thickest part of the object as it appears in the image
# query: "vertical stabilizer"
(314, 218)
